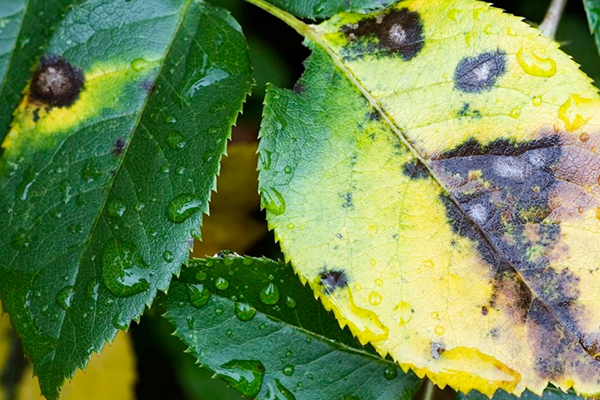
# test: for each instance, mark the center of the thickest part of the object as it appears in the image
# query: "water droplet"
(183, 207)
(537, 100)
(245, 376)
(201, 275)
(273, 201)
(535, 65)
(288, 370)
(379, 282)
(244, 312)
(265, 159)
(75, 229)
(290, 302)
(168, 256)
(170, 119)
(218, 106)
(375, 299)
(93, 291)
(197, 294)
(119, 322)
(190, 321)
(210, 77)
(288, 170)
(221, 283)
(428, 264)
(139, 64)
(56, 214)
(116, 208)
(276, 391)
(124, 272)
(91, 172)
(180, 170)
(439, 330)
(405, 313)
(219, 312)
(515, 112)
(29, 179)
(248, 261)
(390, 373)
(488, 30)
(65, 297)
(139, 207)
(21, 241)
(270, 294)
(176, 141)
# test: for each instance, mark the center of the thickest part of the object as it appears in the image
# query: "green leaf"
(549, 394)
(25, 26)
(317, 9)
(592, 9)
(100, 198)
(257, 327)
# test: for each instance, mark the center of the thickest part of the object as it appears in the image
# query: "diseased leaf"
(108, 166)
(435, 178)
(592, 9)
(258, 328)
(25, 26)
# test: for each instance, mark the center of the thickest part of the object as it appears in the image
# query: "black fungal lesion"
(119, 147)
(56, 82)
(332, 280)
(415, 170)
(398, 31)
(347, 201)
(466, 111)
(480, 73)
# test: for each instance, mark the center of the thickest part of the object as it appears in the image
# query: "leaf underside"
(434, 177)
(253, 324)
(104, 183)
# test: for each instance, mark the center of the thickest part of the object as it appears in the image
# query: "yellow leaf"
(449, 201)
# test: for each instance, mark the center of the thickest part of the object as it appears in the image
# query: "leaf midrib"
(309, 32)
(109, 187)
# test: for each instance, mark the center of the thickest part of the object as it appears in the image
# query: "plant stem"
(288, 18)
(550, 23)
(429, 390)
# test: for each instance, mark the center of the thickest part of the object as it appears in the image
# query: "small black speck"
(299, 88)
(36, 115)
(347, 200)
(374, 116)
(119, 147)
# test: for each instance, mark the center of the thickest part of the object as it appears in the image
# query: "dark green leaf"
(317, 9)
(25, 26)
(592, 8)
(257, 327)
(549, 394)
(100, 198)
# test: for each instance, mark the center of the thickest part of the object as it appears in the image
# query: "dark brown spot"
(477, 74)
(415, 170)
(333, 279)
(56, 82)
(484, 310)
(119, 147)
(398, 31)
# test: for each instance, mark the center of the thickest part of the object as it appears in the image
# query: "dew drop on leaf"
(276, 391)
(139, 64)
(116, 208)
(221, 283)
(245, 376)
(119, 322)
(198, 295)
(190, 321)
(535, 65)
(288, 370)
(273, 201)
(375, 299)
(65, 297)
(390, 373)
(290, 302)
(201, 276)
(270, 294)
(219, 312)
(176, 141)
(124, 272)
(168, 256)
(183, 207)
(244, 312)
(21, 241)
(248, 261)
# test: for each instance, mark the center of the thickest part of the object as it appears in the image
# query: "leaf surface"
(434, 177)
(318, 9)
(25, 26)
(592, 9)
(258, 328)
(102, 189)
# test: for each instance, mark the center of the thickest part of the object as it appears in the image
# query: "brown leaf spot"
(56, 82)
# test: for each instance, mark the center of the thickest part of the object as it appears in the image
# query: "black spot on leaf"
(415, 170)
(333, 279)
(347, 200)
(476, 74)
(119, 147)
(399, 31)
(56, 82)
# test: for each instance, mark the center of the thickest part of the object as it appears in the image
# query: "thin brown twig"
(550, 23)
